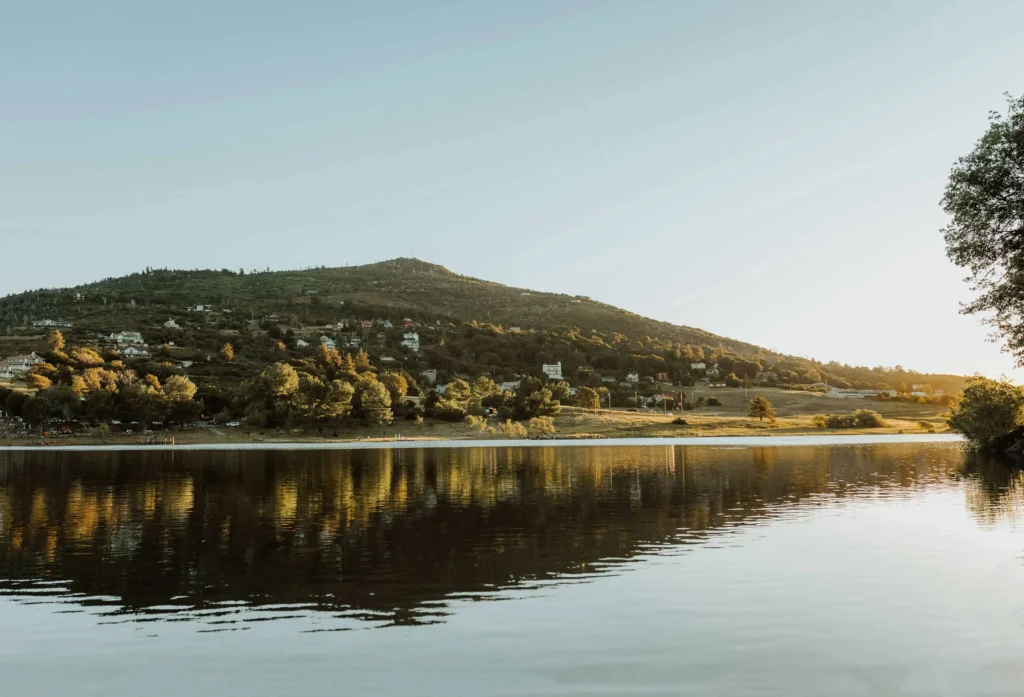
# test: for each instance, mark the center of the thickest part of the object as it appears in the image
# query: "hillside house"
(52, 324)
(552, 370)
(633, 378)
(429, 375)
(6, 373)
(126, 338)
(388, 359)
(510, 386)
(21, 364)
(515, 330)
(386, 324)
(171, 324)
(133, 352)
(302, 344)
(201, 308)
(661, 377)
(406, 322)
(717, 385)
(328, 343)
(272, 318)
(714, 372)
(411, 341)
(698, 366)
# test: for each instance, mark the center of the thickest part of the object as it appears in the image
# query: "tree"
(396, 385)
(559, 391)
(542, 425)
(362, 361)
(985, 199)
(377, 404)
(280, 380)
(55, 341)
(587, 398)
(37, 382)
(227, 352)
(761, 408)
(987, 411)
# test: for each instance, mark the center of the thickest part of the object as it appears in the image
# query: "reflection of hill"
(383, 532)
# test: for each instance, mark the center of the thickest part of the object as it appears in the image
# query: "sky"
(770, 172)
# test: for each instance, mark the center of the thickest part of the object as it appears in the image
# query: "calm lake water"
(893, 569)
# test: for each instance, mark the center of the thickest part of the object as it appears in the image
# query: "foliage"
(396, 385)
(542, 425)
(713, 402)
(680, 421)
(587, 398)
(985, 198)
(227, 352)
(476, 423)
(761, 408)
(376, 404)
(987, 410)
(861, 418)
(512, 429)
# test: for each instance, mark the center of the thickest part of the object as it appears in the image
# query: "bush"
(987, 411)
(542, 425)
(714, 402)
(512, 429)
(862, 418)
(476, 423)
(680, 421)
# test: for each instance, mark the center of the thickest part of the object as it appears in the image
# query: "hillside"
(466, 326)
(392, 289)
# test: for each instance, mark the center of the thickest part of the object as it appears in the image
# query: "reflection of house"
(327, 343)
(552, 370)
(126, 338)
(411, 341)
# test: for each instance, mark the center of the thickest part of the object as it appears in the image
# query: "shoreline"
(407, 444)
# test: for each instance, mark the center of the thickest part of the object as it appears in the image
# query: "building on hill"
(171, 324)
(552, 370)
(328, 343)
(429, 375)
(20, 364)
(406, 322)
(273, 319)
(840, 393)
(411, 341)
(302, 344)
(388, 359)
(633, 378)
(698, 366)
(661, 377)
(510, 386)
(126, 338)
(201, 308)
(6, 373)
(133, 352)
(52, 324)
(585, 370)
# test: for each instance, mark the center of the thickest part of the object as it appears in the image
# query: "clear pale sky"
(770, 171)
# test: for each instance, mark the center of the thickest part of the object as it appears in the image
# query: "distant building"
(716, 385)
(429, 375)
(633, 378)
(52, 324)
(411, 341)
(661, 377)
(171, 324)
(201, 308)
(327, 343)
(698, 366)
(585, 369)
(302, 344)
(510, 386)
(388, 359)
(20, 364)
(133, 352)
(552, 370)
(126, 338)
(515, 330)
(840, 393)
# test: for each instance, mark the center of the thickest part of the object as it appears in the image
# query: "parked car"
(232, 424)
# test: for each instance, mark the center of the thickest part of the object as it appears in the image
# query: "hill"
(466, 326)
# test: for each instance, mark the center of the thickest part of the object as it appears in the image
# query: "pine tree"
(761, 408)
(362, 362)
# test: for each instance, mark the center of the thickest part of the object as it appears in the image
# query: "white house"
(633, 378)
(411, 341)
(133, 352)
(126, 338)
(388, 359)
(698, 366)
(510, 386)
(552, 370)
(918, 393)
(52, 323)
(430, 375)
(328, 343)
(301, 344)
(171, 324)
(6, 373)
(839, 393)
(201, 308)
(515, 330)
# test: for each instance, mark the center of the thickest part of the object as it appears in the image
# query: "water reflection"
(391, 536)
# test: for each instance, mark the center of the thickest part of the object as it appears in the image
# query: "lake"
(699, 569)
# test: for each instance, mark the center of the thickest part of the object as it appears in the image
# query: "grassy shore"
(794, 415)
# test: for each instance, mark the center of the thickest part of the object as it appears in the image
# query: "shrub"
(475, 423)
(512, 429)
(680, 421)
(542, 425)
(862, 418)
(714, 402)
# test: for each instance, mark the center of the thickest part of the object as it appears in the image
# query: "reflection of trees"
(994, 488)
(386, 531)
